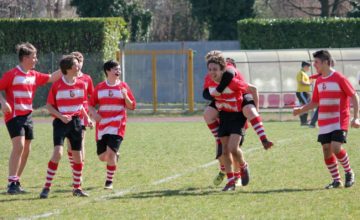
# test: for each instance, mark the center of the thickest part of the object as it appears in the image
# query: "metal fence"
(274, 73)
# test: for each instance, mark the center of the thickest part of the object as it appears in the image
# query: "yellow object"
(302, 78)
(154, 54)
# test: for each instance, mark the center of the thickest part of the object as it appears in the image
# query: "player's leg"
(69, 153)
(75, 138)
(14, 163)
(238, 157)
(51, 170)
(112, 150)
(253, 116)
(339, 137)
(331, 163)
(227, 162)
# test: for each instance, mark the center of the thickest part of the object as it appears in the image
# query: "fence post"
(190, 77)
(154, 81)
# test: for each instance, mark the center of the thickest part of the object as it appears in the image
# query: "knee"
(103, 157)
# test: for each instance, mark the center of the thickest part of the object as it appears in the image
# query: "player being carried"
(112, 97)
(331, 94)
(249, 109)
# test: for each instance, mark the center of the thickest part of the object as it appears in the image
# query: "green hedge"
(299, 33)
(96, 38)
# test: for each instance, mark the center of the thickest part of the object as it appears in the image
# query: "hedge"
(299, 33)
(96, 38)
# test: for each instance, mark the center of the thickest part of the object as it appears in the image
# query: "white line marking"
(126, 191)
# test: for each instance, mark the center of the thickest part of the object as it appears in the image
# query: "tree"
(221, 16)
(172, 21)
(306, 8)
(355, 12)
(137, 18)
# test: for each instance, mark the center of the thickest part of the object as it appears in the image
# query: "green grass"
(286, 182)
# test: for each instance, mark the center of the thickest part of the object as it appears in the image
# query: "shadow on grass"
(166, 193)
(273, 191)
(205, 192)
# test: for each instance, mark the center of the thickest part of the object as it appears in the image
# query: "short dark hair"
(79, 56)
(304, 63)
(66, 63)
(25, 49)
(108, 65)
(231, 61)
(323, 55)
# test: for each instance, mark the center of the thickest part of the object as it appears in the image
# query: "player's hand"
(90, 123)
(215, 93)
(6, 108)
(124, 92)
(96, 117)
(355, 123)
(296, 111)
(65, 118)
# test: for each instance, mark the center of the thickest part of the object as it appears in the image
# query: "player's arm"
(226, 78)
(94, 114)
(130, 102)
(5, 107)
(305, 108)
(55, 76)
(355, 123)
(254, 92)
(206, 95)
(83, 111)
(64, 118)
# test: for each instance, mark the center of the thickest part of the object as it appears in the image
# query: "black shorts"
(108, 140)
(337, 135)
(71, 131)
(212, 104)
(248, 99)
(21, 126)
(231, 123)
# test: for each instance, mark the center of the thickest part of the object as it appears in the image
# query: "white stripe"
(227, 90)
(108, 108)
(24, 80)
(76, 182)
(328, 115)
(70, 109)
(22, 107)
(77, 172)
(324, 101)
(329, 86)
(257, 125)
(262, 134)
(107, 120)
(304, 99)
(105, 93)
(51, 171)
(22, 94)
(108, 130)
(259, 129)
(70, 94)
(329, 128)
(110, 172)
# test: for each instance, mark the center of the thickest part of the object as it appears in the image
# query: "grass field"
(166, 171)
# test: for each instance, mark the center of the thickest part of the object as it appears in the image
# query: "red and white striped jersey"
(20, 88)
(67, 98)
(111, 108)
(89, 90)
(231, 98)
(332, 94)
